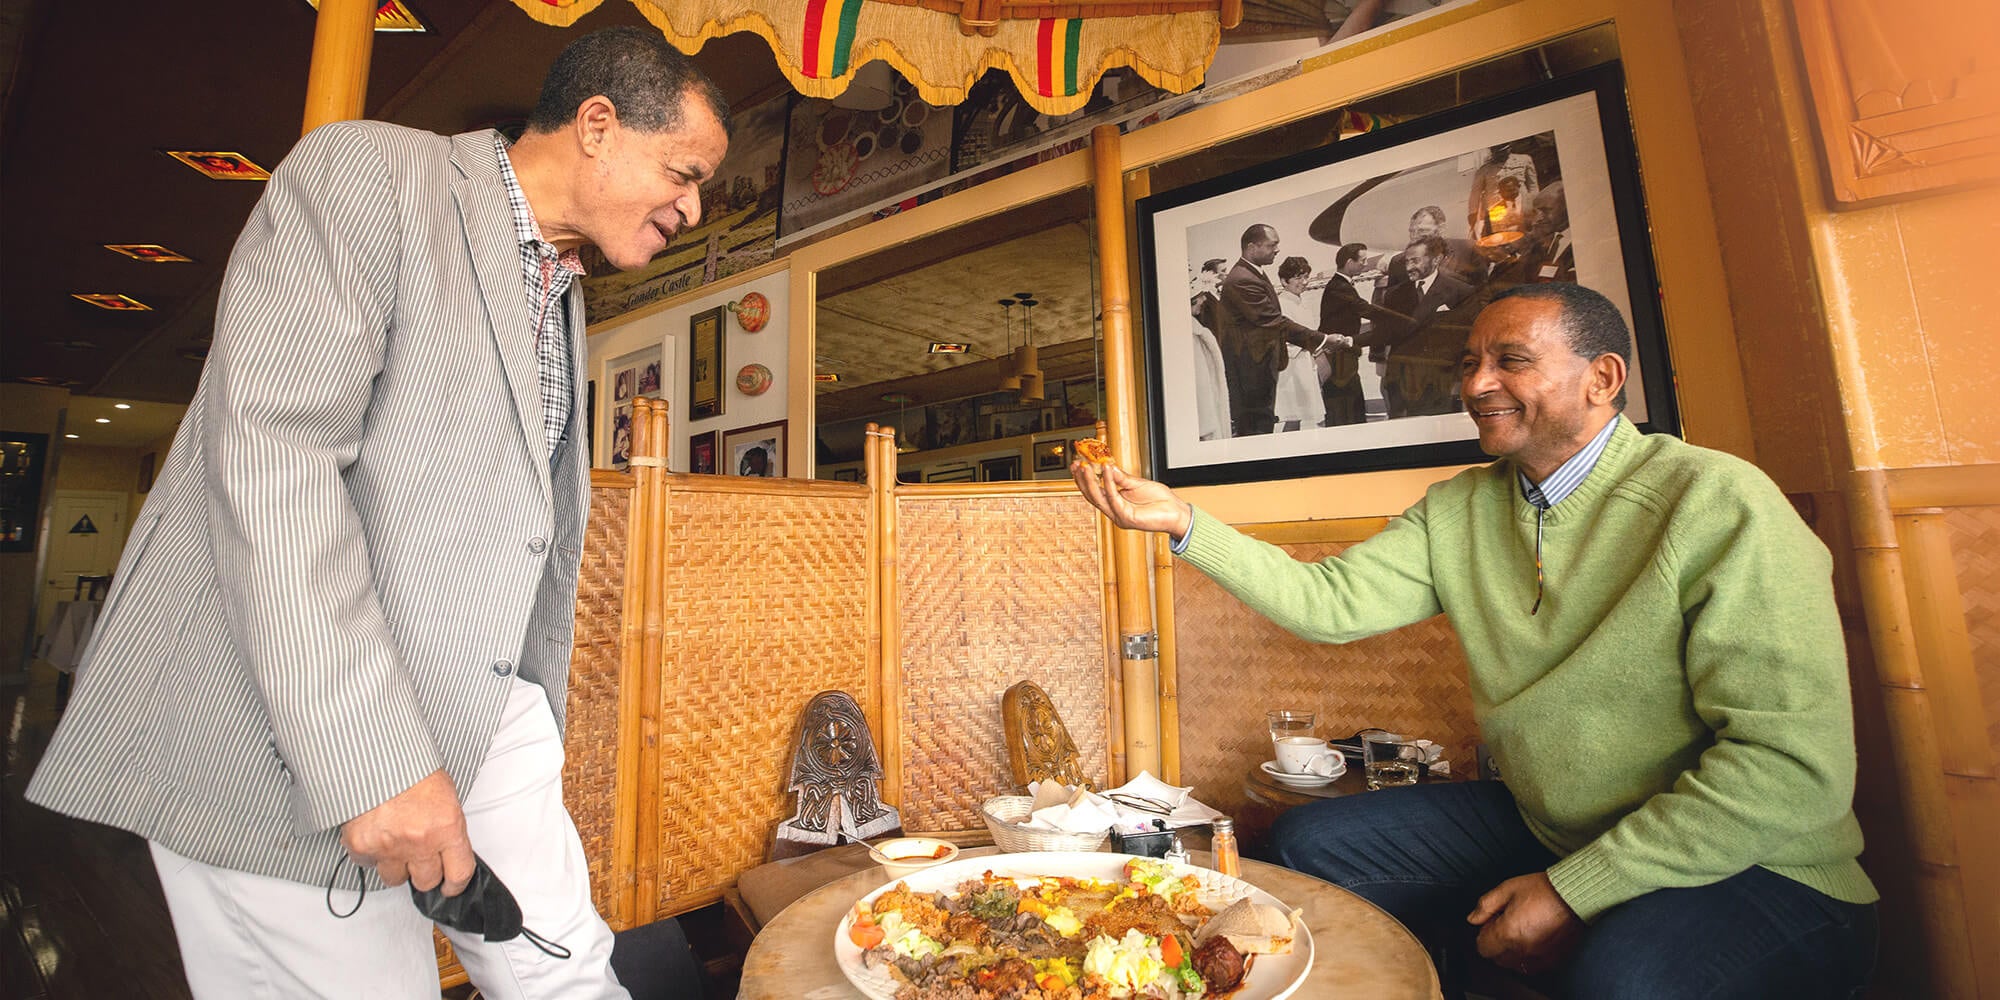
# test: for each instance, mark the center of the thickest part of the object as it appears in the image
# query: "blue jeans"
(1426, 853)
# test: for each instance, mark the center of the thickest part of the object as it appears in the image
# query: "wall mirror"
(978, 344)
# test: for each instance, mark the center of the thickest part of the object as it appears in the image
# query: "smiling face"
(640, 188)
(1418, 260)
(1534, 400)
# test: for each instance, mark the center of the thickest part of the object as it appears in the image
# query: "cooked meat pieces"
(1219, 964)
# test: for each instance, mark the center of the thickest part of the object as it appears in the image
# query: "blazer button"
(537, 545)
(502, 668)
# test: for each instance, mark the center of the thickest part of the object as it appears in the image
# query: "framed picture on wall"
(23, 458)
(963, 474)
(1396, 239)
(705, 361)
(1004, 469)
(755, 451)
(701, 453)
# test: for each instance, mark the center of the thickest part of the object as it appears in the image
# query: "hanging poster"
(842, 160)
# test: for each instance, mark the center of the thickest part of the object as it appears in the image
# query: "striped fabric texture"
(829, 37)
(358, 538)
(1055, 55)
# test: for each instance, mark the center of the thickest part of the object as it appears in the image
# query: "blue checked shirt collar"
(547, 274)
(1571, 474)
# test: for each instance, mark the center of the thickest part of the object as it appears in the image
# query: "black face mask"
(485, 908)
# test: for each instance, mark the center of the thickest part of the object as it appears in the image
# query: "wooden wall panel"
(1907, 93)
(1975, 544)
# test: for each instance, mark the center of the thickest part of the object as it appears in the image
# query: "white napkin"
(1082, 812)
(1434, 756)
(1146, 786)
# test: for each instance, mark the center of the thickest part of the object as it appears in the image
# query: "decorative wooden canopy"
(1054, 51)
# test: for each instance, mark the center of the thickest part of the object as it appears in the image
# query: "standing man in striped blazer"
(341, 630)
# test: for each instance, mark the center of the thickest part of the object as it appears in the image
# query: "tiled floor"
(81, 914)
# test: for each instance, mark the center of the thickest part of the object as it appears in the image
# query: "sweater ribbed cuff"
(1206, 546)
(1591, 883)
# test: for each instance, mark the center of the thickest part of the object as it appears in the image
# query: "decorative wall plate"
(753, 379)
(752, 311)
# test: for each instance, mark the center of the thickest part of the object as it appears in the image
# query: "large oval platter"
(1270, 977)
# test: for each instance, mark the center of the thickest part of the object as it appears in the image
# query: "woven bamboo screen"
(1232, 665)
(1975, 546)
(997, 585)
(591, 736)
(765, 601)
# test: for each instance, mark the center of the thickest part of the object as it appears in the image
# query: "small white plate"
(1304, 780)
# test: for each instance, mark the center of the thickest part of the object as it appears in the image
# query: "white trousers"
(244, 935)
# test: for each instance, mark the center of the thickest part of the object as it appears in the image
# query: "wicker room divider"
(1214, 649)
(744, 597)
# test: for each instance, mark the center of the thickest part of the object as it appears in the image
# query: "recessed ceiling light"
(391, 15)
(72, 437)
(150, 252)
(103, 420)
(826, 376)
(220, 164)
(939, 347)
(112, 301)
(121, 406)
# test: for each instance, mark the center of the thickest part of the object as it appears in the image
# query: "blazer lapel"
(496, 260)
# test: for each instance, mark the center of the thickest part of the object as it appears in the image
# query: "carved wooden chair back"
(1038, 744)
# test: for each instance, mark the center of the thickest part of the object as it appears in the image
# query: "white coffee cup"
(1308, 755)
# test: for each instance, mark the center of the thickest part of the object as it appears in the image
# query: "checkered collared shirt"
(547, 274)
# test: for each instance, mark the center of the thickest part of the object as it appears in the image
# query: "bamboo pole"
(1966, 756)
(881, 465)
(628, 778)
(1138, 642)
(1170, 675)
(1114, 665)
(343, 41)
(649, 441)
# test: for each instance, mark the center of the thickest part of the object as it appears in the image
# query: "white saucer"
(1270, 767)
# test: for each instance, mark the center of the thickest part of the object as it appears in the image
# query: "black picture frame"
(706, 361)
(1001, 469)
(23, 464)
(1373, 189)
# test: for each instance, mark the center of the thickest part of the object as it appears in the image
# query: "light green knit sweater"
(1678, 710)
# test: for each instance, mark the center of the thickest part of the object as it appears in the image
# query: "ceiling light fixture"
(826, 376)
(1010, 371)
(121, 406)
(152, 253)
(940, 347)
(1027, 359)
(103, 420)
(902, 400)
(72, 437)
(112, 301)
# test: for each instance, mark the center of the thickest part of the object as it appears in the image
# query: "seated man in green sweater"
(1655, 661)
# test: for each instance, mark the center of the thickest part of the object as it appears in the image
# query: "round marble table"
(1357, 949)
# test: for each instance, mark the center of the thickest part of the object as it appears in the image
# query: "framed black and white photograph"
(755, 451)
(1392, 242)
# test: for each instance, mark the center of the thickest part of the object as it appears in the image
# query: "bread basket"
(1004, 814)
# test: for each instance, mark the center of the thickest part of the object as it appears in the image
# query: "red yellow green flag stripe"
(829, 34)
(1055, 55)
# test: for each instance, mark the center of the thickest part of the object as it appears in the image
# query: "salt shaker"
(1223, 846)
(1178, 853)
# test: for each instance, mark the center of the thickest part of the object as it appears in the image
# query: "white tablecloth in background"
(69, 633)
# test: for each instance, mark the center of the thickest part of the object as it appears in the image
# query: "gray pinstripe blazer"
(358, 536)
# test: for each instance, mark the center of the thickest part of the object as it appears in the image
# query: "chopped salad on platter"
(1151, 929)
